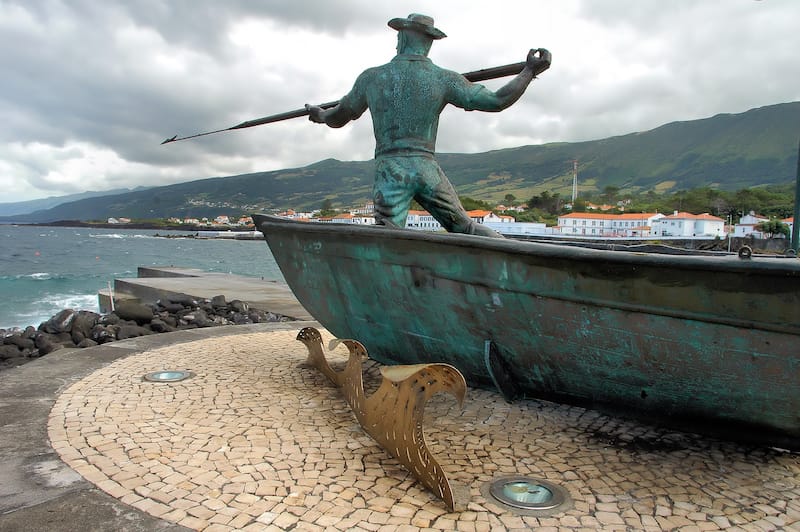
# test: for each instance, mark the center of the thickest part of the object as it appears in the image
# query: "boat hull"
(707, 343)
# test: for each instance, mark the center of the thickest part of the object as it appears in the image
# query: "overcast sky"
(90, 88)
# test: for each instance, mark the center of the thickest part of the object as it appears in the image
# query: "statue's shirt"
(405, 97)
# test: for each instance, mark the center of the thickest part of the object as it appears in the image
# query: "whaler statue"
(405, 98)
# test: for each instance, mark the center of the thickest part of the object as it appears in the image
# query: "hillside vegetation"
(725, 152)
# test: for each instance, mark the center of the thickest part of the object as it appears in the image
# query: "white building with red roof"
(747, 225)
(790, 222)
(598, 224)
(684, 224)
(482, 217)
(422, 221)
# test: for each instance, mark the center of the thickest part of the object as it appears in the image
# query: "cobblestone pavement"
(257, 440)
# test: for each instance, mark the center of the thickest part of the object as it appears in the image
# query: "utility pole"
(796, 222)
(574, 181)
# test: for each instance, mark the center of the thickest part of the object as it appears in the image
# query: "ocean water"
(46, 269)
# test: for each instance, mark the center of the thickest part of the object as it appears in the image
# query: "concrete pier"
(154, 283)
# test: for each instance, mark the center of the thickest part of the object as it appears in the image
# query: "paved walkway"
(257, 440)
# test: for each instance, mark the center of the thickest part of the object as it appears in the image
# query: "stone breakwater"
(82, 328)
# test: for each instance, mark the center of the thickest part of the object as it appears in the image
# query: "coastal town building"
(422, 221)
(747, 225)
(296, 215)
(517, 208)
(346, 218)
(684, 224)
(368, 209)
(521, 228)
(598, 224)
(482, 217)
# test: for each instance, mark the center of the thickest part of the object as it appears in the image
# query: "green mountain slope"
(25, 207)
(728, 151)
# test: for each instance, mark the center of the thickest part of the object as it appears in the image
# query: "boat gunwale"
(761, 265)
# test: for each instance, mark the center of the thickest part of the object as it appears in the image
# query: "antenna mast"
(574, 180)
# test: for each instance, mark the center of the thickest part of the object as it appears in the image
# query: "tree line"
(773, 201)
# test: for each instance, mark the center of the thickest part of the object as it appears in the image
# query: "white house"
(367, 209)
(747, 225)
(422, 221)
(363, 219)
(684, 224)
(343, 218)
(519, 228)
(594, 224)
(480, 216)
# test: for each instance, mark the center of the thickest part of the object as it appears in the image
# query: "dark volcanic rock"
(238, 305)
(8, 351)
(84, 322)
(130, 310)
(70, 328)
(104, 333)
(160, 326)
(241, 319)
(172, 308)
(45, 344)
(183, 299)
(108, 319)
(19, 341)
(61, 322)
(198, 317)
(132, 331)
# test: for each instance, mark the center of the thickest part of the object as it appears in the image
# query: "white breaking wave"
(45, 308)
(73, 301)
(119, 235)
(109, 235)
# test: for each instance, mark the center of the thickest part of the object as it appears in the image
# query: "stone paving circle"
(257, 440)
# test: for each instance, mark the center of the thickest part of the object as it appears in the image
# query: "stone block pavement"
(257, 440)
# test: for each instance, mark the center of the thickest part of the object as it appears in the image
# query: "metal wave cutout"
(393, 414)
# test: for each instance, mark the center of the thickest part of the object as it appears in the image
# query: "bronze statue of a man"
(405, 97)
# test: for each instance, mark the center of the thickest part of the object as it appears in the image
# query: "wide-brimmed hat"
(419, 23)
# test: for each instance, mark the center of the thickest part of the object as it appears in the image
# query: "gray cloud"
(90, 89)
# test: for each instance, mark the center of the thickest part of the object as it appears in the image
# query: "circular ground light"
(168, 375)
(528, 496)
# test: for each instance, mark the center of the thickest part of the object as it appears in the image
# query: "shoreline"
(73, 328)
(140, 225)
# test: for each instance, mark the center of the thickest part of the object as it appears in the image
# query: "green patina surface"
(405, 97)
(685, 339)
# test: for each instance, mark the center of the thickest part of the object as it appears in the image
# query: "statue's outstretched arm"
(538, 61)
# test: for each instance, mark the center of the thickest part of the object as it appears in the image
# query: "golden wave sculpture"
(393, 414)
